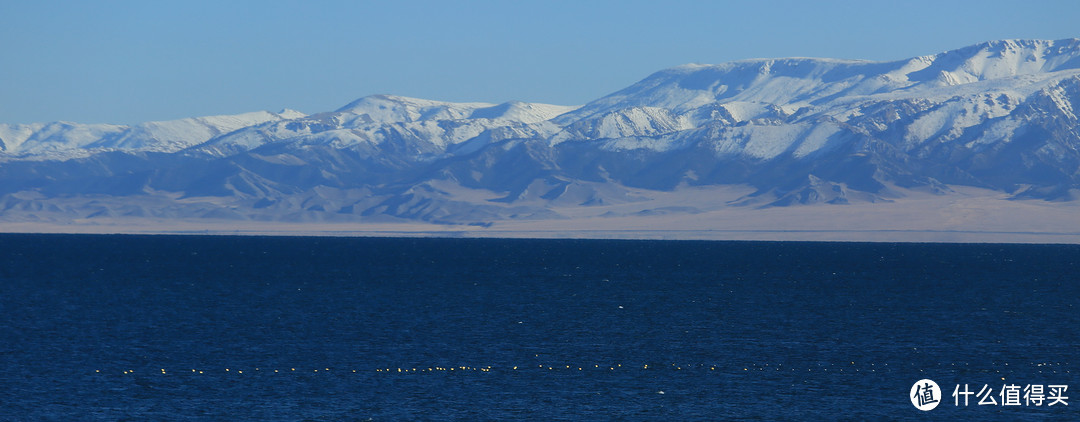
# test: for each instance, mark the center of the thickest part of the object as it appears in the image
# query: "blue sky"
(132, 61)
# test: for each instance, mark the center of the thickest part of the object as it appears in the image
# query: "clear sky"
(132, 61)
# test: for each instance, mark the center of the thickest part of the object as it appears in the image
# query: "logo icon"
(925, 395)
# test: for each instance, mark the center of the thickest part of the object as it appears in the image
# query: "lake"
(110, 327)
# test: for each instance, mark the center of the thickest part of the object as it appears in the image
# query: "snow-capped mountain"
(1000, 115)
(430, 127)
(62, 140)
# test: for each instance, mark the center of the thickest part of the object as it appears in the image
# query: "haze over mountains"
(752, 134)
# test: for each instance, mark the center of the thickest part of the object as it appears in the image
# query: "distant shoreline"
(968, 216)
(373, 230)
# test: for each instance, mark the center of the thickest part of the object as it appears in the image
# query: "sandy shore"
(968, 216)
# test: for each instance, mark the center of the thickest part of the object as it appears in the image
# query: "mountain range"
(803, 133)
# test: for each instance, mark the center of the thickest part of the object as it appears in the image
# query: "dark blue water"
(729, 330)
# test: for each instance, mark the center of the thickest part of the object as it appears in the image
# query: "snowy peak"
(424, 127)
(62, 140)
(795, 81)
(998, 59)
(395, 109)
(385, 109)
(175, 135)
(798, 82)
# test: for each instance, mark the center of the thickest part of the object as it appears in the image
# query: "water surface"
(728, 330)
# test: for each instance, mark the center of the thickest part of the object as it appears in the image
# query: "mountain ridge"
(999, 115)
